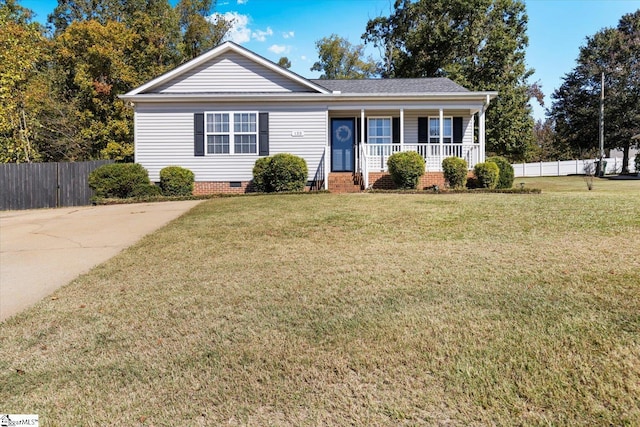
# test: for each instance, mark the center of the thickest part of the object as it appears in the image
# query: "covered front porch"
(361, 140)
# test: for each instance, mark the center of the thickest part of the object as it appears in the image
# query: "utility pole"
(602, 120)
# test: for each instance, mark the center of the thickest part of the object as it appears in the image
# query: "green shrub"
(260, 169)
(143, 191)
(637, 162)
(507, 175)
(282, 172)
(119, 180)
(406, 168)
(487, 175)
(455, 171)
(176, 181)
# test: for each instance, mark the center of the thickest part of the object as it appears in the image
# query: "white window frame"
(390, 129)
(232, 133)
(447, 139)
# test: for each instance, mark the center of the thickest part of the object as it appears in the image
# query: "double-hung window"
(232, 133)
(434, 130)
(379, 130)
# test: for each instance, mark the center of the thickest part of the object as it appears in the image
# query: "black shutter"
(358, 127)
(198, 134)
(263, 124)
(457, 130)
(395, 130)
(423, 130)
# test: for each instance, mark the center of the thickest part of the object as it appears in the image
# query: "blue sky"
(557, 28)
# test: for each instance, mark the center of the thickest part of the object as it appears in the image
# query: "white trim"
(476, 99)
(217, 51)
(363, 126)
(232, 133)
(401, 128)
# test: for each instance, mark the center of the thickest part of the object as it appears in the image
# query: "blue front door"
(342, 137)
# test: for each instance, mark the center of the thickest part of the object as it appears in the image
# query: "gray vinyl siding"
(230, 73)
(164, 137)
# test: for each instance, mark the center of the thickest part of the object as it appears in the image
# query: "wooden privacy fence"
(46, 185)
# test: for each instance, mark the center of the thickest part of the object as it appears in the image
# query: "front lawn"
(365, 309)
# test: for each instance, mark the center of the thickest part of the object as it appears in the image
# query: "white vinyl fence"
(567, 167)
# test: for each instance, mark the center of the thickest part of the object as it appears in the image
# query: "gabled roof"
(380, 86)
(217, 51)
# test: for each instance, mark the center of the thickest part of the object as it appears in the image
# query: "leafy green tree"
(157, 26)
(480, 44)
(339, 59)
(284, 62)
(94, 65)
(68, 11)
(199, 32)
(575, 109)
(23, 51)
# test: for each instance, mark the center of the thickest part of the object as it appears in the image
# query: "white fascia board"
(476, 98)
(220, 49)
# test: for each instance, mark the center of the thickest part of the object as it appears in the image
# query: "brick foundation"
(201, 188)
(383, 181)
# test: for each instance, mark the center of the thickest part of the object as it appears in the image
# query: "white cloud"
(288, 35)
(278, 49)
(262, 35)
(242, 1)
(303, 57)
(239, 32)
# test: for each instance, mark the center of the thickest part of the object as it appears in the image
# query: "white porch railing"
(376, 155)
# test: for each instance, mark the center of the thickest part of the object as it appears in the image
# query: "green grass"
(367, 309)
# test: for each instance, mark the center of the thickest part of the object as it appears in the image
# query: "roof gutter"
(484, 97)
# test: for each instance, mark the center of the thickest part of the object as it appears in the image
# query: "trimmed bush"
(260, 169)
(455, 171)
(176, 181)
(507, 175)
(637, 162)
(406, 168)
(119, 180)
(487, 175)
(143, 191)
(279, 173)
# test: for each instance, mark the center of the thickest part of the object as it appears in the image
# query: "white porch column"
(481, 134)
(441, 157)
(362, 127)
(327, 151)
(401, 129)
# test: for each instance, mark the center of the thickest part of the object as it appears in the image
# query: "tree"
(199, 31)
(22, 53)
(479, 44)
(284, 62)
(547, 146)
(575, 109)
(339, 59)
(94, 64)
(68, 11)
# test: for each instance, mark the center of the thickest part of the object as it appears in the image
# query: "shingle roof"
(417, 85)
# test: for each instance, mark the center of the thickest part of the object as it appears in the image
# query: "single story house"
(218, 113)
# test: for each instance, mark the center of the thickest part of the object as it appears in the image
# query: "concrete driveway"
(41, 250)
